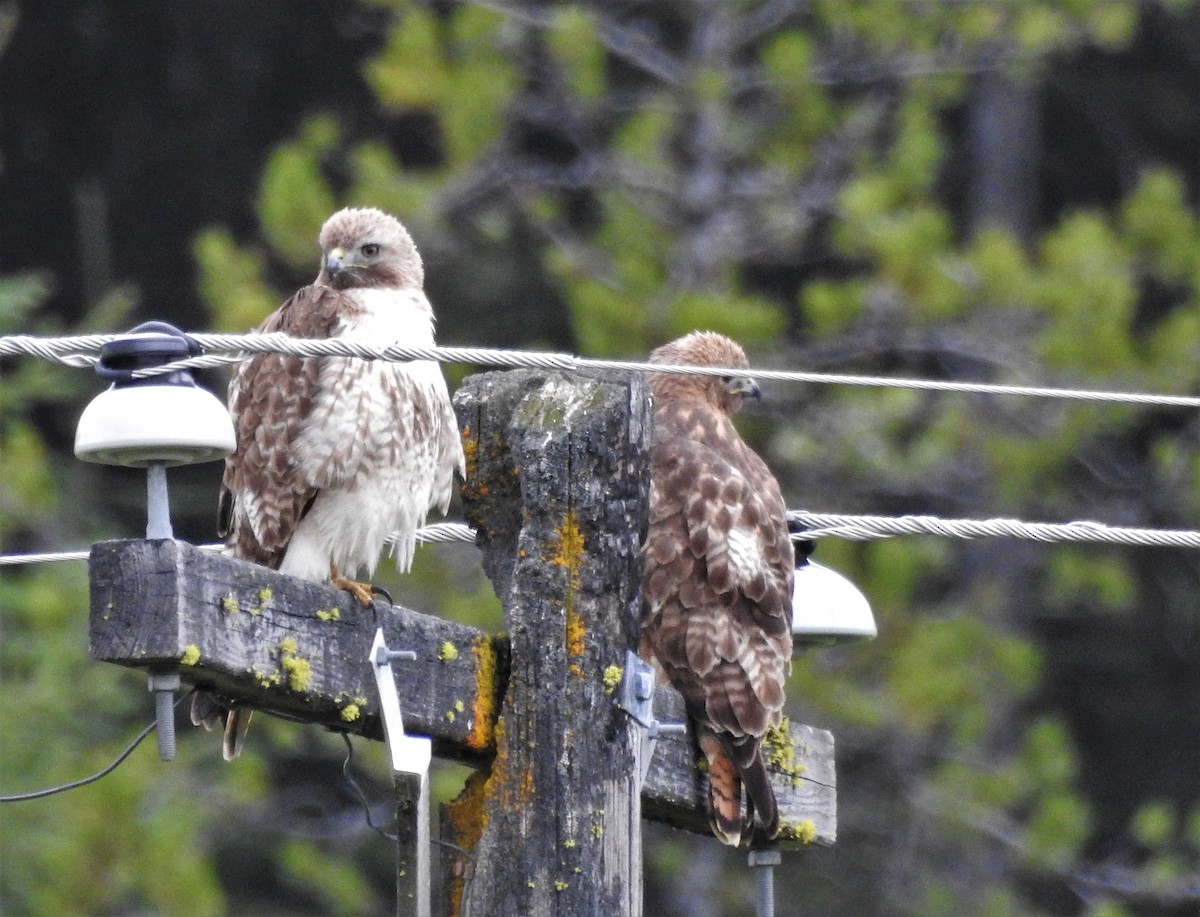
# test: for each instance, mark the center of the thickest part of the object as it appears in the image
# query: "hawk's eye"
(370, 249)
(727, 379)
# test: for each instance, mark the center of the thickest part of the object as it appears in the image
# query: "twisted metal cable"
(232, 348)
(836, 525)
(439, 532)
(862, 528)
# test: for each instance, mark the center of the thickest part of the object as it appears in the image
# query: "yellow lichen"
(191, 655)
(804, 832)
(612, 677)
(230, 604)
(265, 595)
(298, 670)
(328, 614)
(459, 706)
(447, 652)
(560, 885)
(351, 712)
(780, 755)
(569, 843)
(450, 716)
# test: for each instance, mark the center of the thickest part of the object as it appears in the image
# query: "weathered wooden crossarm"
(299, 650)
(801, 765)
(290, 647)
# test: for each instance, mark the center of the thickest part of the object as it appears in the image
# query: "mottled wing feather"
(718, 601)
(724, 641)
(263, 493)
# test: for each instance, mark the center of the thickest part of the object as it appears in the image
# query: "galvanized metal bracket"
(636, 697)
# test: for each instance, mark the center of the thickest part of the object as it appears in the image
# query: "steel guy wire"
(232, 348)
(837, 525)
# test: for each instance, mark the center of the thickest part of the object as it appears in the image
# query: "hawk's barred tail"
(724, 792)
(211, 713)
(727, 777)
(237, 721)
(761, 795)
(207, 711)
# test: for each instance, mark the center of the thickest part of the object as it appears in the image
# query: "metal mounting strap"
(410, 765)
(636, 698)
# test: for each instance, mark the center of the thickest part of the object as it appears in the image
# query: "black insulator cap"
(159, 343)
(802, 547)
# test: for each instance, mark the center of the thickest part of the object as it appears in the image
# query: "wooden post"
(557, 487)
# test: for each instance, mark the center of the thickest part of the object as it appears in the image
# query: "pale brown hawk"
(334, 454)
(716, 596)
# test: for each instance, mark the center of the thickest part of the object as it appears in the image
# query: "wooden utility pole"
(550, 821)
(557, 487)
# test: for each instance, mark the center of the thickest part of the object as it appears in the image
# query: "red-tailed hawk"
(717, 592)
(334, 454)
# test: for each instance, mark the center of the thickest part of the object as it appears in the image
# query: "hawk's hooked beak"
(744, 386)
(335, 262)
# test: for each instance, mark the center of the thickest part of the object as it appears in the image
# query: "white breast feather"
(360, 445)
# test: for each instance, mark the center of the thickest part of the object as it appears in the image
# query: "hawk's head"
(364, 247)
(704, 348)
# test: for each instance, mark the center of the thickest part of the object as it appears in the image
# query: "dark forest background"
(988, 190)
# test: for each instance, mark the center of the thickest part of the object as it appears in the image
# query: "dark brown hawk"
(718, 582)
(335, 454)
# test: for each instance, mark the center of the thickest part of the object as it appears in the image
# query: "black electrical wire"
(76, 784)
(362, 798)
(358, 790)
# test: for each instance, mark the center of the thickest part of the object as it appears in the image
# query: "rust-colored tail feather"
(727, 774)
(724, 792)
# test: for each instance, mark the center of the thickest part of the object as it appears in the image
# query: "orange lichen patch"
(483, 712)
(525, 787)
(467, 813)
(470, 451)
(568, 552)
(467, 817)
(575, 632)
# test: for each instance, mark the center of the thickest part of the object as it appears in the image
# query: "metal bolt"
(383, 656)
(643, 685)
(763, 861)
(158, 511)
(164, 685)
(658, 729)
